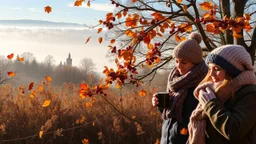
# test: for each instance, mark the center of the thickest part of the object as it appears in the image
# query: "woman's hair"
(222, 87)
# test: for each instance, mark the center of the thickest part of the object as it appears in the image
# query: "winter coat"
(233, 122)
(171, 128)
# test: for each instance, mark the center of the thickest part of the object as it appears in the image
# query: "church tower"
(69, 60)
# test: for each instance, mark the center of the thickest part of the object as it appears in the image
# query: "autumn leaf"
(10, 56)
(157, 141)
(117, 86)
(88, 104)
(46, 103)
(210, 27)
(185, 8)
(78, 3)
(89, 3)
(41, 134)
(88, 39)
(206, 5)
(134, 1)
(112, 41)
(179, 1)
(30, 86)
(236, 35)
(32, 94)
(40, 88)
(48, 78)
(99, 30)
(48, 9)
(142, 93)
(20, 58)
(85, 141)
(11, 74)
(100, 39)
(184, 131)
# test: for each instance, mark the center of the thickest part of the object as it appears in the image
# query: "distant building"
(68, 61)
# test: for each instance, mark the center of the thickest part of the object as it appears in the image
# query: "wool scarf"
(198, 119)
(178, 85)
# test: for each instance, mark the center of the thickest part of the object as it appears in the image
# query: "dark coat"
(171, 127)
(233, 122)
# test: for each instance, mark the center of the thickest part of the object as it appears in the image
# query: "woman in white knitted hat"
(227, 100)
(189, 70)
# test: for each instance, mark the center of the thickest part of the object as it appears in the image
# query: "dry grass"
(120, 117)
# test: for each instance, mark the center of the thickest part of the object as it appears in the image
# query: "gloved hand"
(205, 95)
(202, 87)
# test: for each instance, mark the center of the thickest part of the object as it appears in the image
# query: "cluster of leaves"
(144, 24)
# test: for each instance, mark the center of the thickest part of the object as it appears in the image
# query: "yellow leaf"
(100, 39)
(48, 78)
(41, 134)
(46, 103)
(20, 58)
(142, 93)
(33, 94)
(118, 85)
(184, 131)
(150, 46)
(99, 30)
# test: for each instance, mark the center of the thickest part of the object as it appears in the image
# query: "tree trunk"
(225, 11)
(252, 48)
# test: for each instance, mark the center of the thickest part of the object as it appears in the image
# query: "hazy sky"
(57, 42)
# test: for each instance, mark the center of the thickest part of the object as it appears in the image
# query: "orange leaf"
(179, 1)
(118, 85)
(119, 15)
(10, 56)
(127, 55)
(100, 39)
(210, 27)
(236, 35)
(88, 39)
(134, 1)
(48, 78)
(150, 46)
(85, 141)
(99, 30)
(40, 88)
(88, 104)
(48, 9)
(206, 5)
(41, 134)
(11, 74)
(184, 131)
(112, 41)
(30, 86)
(20, 58)
(142, 93)
(78, 3)
(185, 8)
(33, 94)
(46, 103)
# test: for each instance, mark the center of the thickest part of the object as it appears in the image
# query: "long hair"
(223, 87)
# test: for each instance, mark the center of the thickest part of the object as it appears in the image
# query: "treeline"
(32, 70)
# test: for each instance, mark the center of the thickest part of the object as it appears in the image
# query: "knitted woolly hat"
(233, 58)
(189, 49)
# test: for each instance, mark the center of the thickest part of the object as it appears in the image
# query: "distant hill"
(37, 23)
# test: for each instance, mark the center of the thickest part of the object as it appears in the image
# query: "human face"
(183, 65)
(217, 73)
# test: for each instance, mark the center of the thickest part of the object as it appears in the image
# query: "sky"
(58, 42)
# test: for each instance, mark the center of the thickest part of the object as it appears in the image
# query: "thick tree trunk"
(225, 11)
(252, 48)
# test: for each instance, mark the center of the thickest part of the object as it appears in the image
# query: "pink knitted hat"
(233, 58)
(189, 49)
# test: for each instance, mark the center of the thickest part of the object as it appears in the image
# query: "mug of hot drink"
(163, 100)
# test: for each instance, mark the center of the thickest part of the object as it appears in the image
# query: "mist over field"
(54, 40)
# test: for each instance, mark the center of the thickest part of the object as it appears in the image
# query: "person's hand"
(205, 95)
(203, 87)
(154, 100)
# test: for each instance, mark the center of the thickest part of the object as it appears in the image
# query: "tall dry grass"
(121, 117)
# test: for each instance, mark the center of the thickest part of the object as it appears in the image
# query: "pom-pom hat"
(189, 49)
